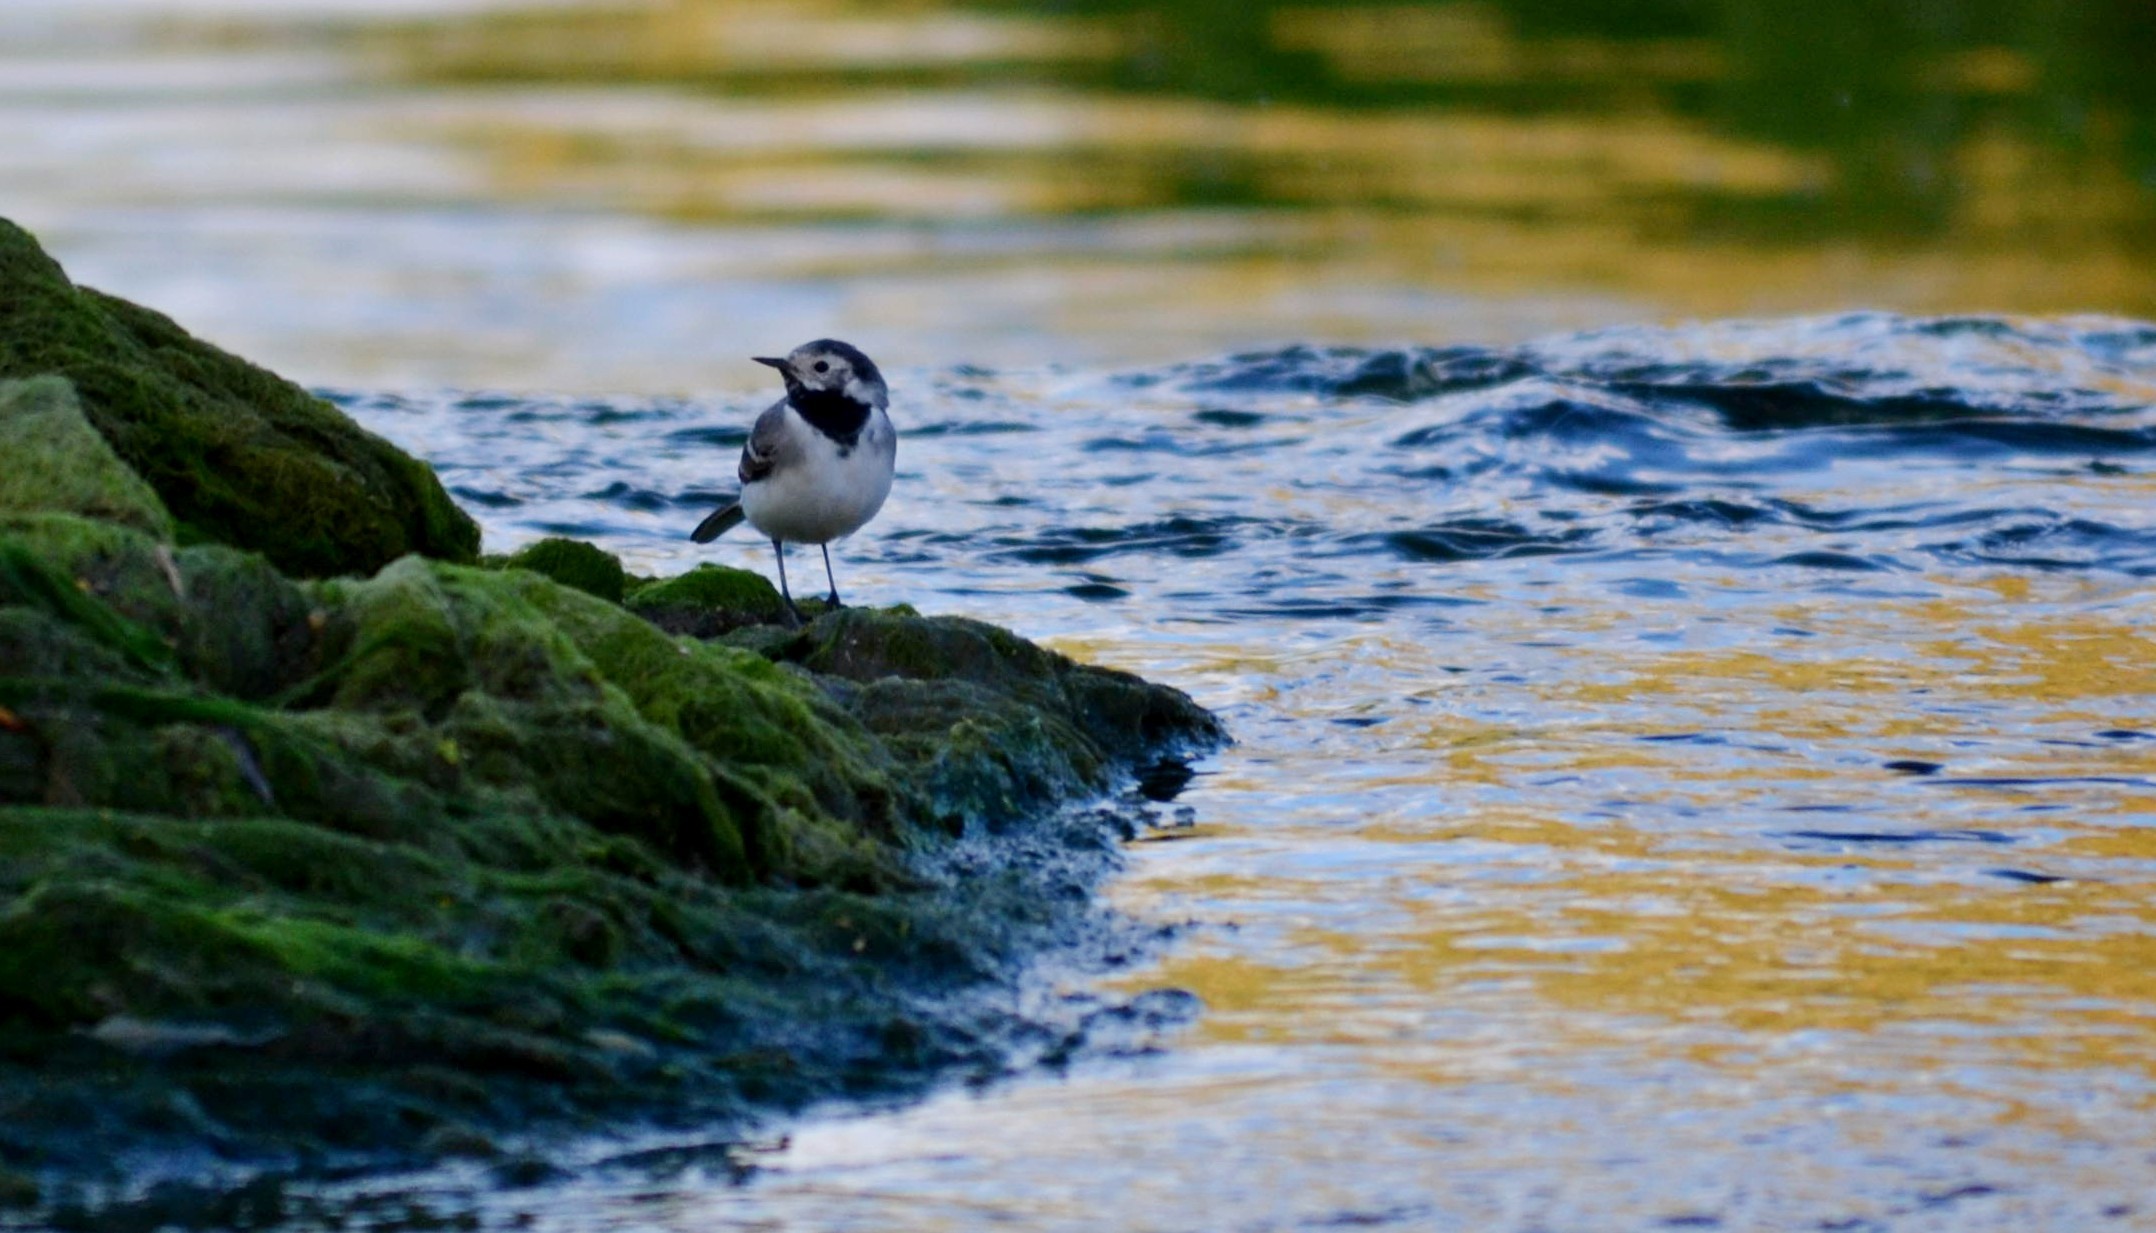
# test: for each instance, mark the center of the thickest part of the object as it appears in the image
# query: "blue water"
(1697, 777)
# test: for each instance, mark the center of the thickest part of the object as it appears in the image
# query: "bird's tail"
(718, 524)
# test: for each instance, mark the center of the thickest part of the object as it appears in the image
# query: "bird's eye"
(823, 366)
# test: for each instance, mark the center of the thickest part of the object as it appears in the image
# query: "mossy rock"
(709, 601)
(56, 461)
(508, 700)
(1120, 715)
(227, 619)
(268, 848)
(238, 455)
(572, 563)
(313, 868)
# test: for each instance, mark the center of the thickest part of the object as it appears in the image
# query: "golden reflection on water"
(1001, 111)
(1720, 904)
(1009, 183)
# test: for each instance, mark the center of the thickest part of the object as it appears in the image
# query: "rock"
(480, 828)
(992, 727)
(573, 563)
(384, 866)
(487, 692)
(1120, 714)
(238, 455)
(708, 601)
(56, 461)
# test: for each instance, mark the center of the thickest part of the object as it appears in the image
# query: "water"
(1695, 776)
(635, 194)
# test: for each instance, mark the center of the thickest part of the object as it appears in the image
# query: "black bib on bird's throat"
(833, 413)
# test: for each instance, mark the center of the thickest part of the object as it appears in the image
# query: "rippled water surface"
(1698, 777)
(1691, 778)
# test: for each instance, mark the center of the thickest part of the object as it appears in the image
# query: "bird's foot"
(834, 603)
(793, 616)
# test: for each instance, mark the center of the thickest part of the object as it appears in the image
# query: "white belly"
(823, 495)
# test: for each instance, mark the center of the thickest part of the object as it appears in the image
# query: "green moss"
(485, 824)
(572, 563)
(708, 601)
(365, 861)
(248, 631)
(863, 644)
(508, 700)
(727, 702)
(1118, 715)
(57, 462)
(200, 920)
(60, 582)
(77, 951)
(238, 455)
(482, 822)
(979, 755)
(823, 787)
(226, 618)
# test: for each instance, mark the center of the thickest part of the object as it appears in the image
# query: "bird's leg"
(793, 614)
(829, 577)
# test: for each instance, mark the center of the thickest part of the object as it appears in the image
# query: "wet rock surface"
(427, 858)
(238, 455)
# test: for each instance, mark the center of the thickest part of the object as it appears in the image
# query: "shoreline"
(328, 852)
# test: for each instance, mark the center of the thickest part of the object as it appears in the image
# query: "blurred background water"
(623, 195)
(1691, 776)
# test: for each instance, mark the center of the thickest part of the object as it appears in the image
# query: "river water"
(1697, 777)
(1689, 776)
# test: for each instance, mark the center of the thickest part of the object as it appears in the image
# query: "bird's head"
(828, 368)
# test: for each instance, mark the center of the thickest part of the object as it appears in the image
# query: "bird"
(818, 463)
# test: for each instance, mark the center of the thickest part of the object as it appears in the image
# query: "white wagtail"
(818, 464)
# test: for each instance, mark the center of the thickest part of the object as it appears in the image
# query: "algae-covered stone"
(708, 601)
(830, 786)
(56, 461)
(225, 618)
(478, 826)
(1122, 715)
(509, 701)
(237, 454)
(991, 726)
(573, 563)
(324, 868)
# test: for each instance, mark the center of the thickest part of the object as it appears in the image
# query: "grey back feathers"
(768, 444)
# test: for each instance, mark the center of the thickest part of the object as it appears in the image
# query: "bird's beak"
(772, 361)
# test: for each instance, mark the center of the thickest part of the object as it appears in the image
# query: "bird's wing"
(768, 445)
(720, 521)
